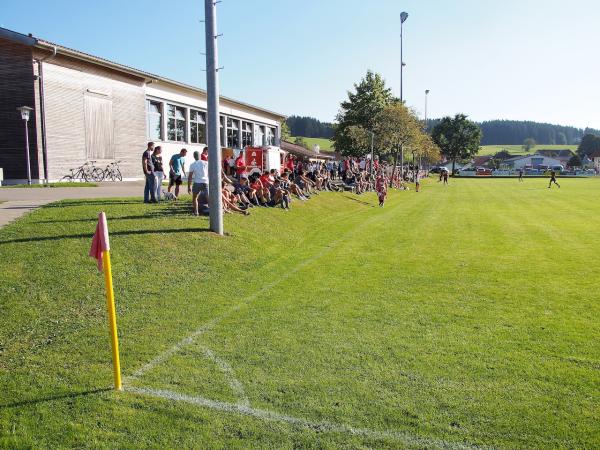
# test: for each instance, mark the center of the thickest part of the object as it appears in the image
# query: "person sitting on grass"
(262, 192)
(306, 184)
(198, 174)
(244, 193)
(229, 203)
(291, 186)
(279, 196)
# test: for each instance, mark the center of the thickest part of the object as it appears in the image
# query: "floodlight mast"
(403, 17)
(212, 122)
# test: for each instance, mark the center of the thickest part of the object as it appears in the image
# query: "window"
(176, 123)
(154, 120)
(260, 135)
(222, 130)
(233, 133)
(197, 127)
(246, 134)
(270, 136)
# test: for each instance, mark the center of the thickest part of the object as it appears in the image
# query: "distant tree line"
(309, 127)
(515, 132)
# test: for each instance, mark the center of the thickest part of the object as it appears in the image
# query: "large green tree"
(528, 144)
(589, 143)
(369, 98)
(457, 137)
(397, 128)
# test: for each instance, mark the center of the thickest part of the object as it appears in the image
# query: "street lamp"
(403, 17)
(25, 110)
(427, 91)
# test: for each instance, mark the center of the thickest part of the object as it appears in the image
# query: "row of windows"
(177, 127)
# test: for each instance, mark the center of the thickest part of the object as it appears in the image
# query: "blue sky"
(527, 59)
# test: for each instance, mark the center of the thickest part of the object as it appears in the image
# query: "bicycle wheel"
(117, 174)
(97, 174)
(66, 179)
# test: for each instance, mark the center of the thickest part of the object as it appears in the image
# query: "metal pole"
(27, 151)
(213, 138)
(426, 93)
(372, 155)
(401, 63)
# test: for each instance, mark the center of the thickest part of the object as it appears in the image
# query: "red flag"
(100, 240)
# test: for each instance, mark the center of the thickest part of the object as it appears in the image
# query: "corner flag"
(101, 251)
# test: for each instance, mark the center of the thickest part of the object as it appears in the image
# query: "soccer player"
(381, 187)
(521, 175)
(553, 179)
(445, 176)
(417, 180)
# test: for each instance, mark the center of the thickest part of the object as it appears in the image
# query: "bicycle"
(112, 172)
(85, 172)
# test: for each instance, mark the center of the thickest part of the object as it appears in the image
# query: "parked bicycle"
(86, 172)
(112, 172)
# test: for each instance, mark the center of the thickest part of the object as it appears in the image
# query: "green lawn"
(325, 144)
(460, 316)
(518, 149)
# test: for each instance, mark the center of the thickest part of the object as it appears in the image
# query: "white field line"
(214, 321)
(321, 426)
(234, 383)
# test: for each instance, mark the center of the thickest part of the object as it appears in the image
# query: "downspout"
(43, 109)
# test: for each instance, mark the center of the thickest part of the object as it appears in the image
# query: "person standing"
(445, 176)
(417, 180)
(176, 171)
(159, 174)
(381, 187)
(198, 175)
(553, 179)
(148, 168)
(521, 174)
(240, 165)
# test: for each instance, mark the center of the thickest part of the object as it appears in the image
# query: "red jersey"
(240, 165)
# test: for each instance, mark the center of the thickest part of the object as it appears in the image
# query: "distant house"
(533, 161)
(562, 155)
(479, 161)
(595, 157)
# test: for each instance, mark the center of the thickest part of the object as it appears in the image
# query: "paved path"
(19, 201)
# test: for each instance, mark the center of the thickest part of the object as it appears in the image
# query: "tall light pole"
(212, 125)
(25, 110)
(403, 17)
(427, 91)
(425, 126)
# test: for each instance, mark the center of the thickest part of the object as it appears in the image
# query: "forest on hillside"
(495, 132)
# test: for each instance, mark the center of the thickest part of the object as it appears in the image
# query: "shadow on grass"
(360, 201)
(86, 202)
(112, 233)
(69, 395)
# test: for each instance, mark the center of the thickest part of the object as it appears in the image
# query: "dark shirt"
(157, 163)
(147, 156)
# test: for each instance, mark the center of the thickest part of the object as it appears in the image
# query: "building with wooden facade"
(88, 108)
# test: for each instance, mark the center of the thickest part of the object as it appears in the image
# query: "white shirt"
(199, 171)
(363, 164)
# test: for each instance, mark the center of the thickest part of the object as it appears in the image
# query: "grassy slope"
(325, 144)
(518, 149)
(467, 313)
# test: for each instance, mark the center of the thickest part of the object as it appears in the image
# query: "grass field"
(518, 149)
(325, 144)
(459, 317)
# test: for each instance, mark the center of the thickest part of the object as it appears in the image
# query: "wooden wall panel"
(16, 89)
(67, 82)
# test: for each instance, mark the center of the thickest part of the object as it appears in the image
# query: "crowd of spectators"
(243, 189)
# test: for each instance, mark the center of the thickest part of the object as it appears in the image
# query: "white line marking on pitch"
(234, 383)
(323, 426)
(211, 323)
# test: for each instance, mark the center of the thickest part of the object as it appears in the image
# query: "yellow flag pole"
(112, 319)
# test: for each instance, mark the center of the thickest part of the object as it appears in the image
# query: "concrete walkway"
(18, 201)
